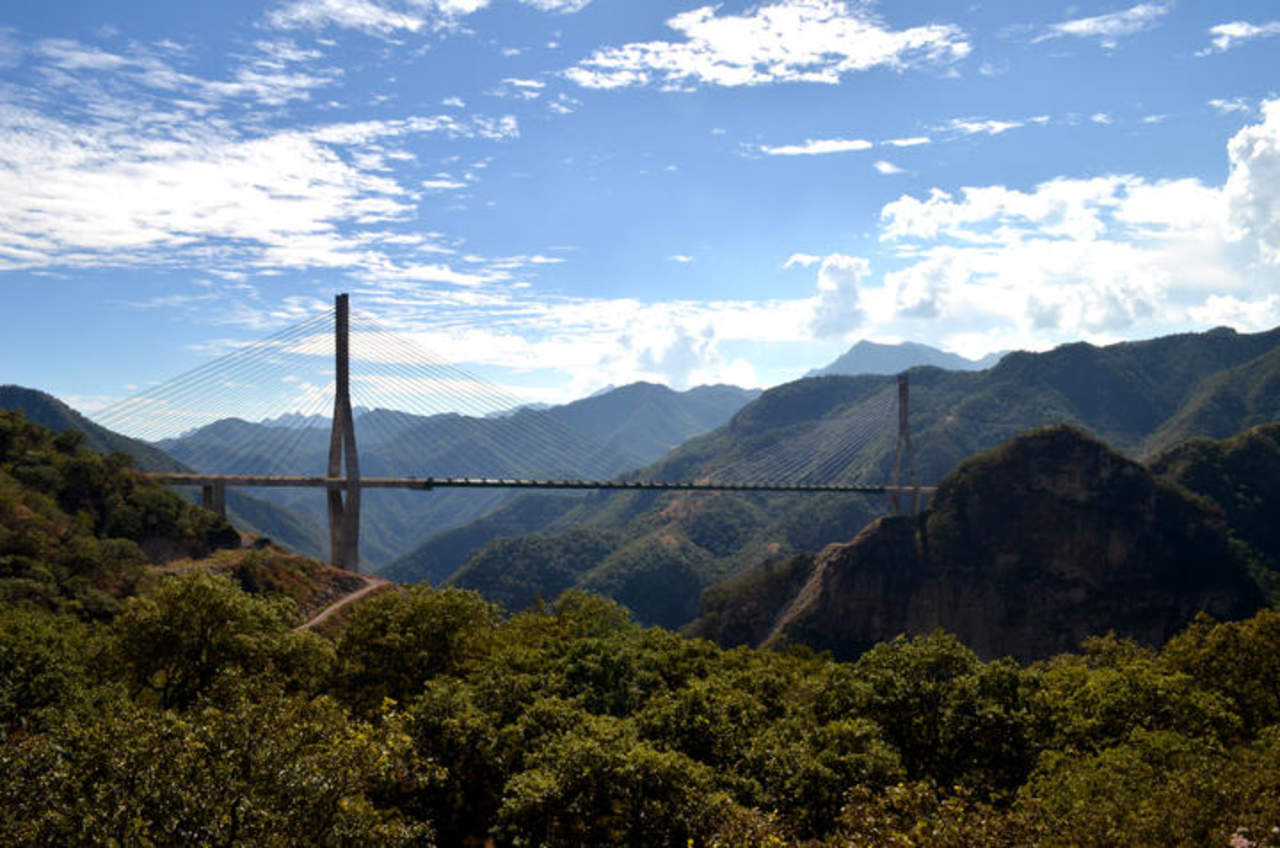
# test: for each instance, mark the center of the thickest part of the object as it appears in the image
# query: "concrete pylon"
(344, 513)
(904, 448)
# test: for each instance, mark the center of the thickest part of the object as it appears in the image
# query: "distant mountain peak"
(868, 357)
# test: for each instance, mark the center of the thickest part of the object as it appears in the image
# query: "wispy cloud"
(137, 162)
(789, 41)
(1108, 28)
(887, 168)
(818, 147)
(980, 126)
(1225, 106)
(364, 15)
(913, 141)
(388, 17)
(804, 260)
(1235, 33)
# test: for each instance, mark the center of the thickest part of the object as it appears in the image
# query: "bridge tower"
(904, 450)
(344, 512)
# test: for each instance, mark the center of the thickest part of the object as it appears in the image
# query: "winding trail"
(372, 584)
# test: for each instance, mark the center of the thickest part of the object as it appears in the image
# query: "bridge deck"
(427, 483)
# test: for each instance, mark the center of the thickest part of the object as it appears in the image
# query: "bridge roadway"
(428, 483)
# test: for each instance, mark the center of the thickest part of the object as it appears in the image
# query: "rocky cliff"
(1025, 550)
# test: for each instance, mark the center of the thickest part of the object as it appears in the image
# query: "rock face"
(1025, 550)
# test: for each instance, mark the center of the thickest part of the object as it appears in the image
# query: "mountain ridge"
(868, 357)
(1122, 393)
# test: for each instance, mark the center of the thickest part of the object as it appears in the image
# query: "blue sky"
(563, 194)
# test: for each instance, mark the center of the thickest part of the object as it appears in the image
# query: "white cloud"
(1110, 27)
(104, 195)
(681, 258)
(1099, 258)
(1252, 191)
(524, 89)
(816, 147)
(913, 141)
(389, 17)
(1255, 315)
(1100, 118)
(596, 340)
(1226, 107)
(887, 168)
(839, 310)
(1234, 33)
(563, 6)
(444, 183)
(788, 41)
(804, 260)
(454, 102)
(976, 126)
(563, 104)
(364, 15)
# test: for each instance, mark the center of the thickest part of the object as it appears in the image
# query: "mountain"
(48, 411)
(253, 515)
(77, 529)
(611, 432)
(873, 358)
(672, 546)
(1025, 550)
(1240, 476)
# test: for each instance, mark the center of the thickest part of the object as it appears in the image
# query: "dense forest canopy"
(139, 707)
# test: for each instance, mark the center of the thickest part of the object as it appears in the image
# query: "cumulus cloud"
(1108, 28)
(1235, 33)
(1096, 257)
(838, 310)
(789, 41)
(887, 168)
(1252, 192)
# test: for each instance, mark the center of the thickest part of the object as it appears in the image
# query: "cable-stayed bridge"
(426, 424)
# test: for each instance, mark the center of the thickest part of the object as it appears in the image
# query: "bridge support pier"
(904, 449)
(344, 500)
(213, 497)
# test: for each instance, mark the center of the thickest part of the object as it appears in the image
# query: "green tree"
(258, 768)
(175, 641)
(396, 641)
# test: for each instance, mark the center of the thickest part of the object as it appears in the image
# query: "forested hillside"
(251, 514)
(1025, 550)
(1136, 396)
(141, 705)
(598, 436)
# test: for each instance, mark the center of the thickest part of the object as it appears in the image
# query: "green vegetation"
(1239, 476)
(1137, 396)
(76, 529)
(185, 708)
(197, 715)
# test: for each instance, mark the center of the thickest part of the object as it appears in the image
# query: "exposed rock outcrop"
(1025, 550)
